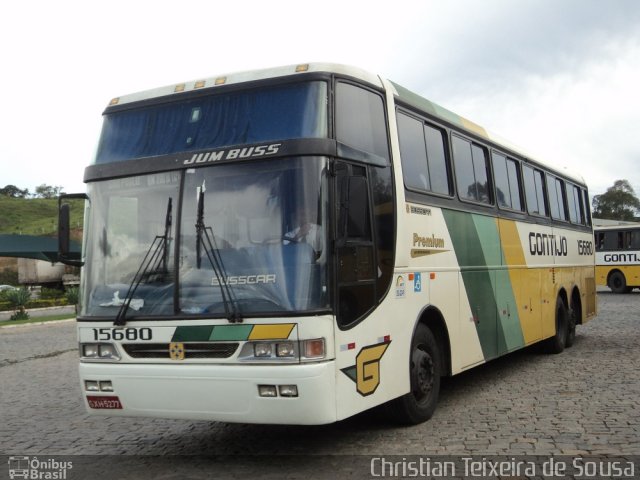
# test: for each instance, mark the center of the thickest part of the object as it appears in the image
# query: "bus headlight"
(99, 351)
(89, 350)
(262, 350)
(284, 351)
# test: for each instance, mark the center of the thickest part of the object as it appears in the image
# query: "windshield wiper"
(213, 255)
(154, 263)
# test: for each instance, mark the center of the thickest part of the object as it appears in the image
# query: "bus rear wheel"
(425, 368)
(617, 282)
(557, 343)
(571, 328)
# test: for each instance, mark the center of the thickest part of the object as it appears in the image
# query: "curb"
(31, 324)
(41, 312)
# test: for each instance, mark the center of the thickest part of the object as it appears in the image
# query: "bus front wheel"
(425, 368)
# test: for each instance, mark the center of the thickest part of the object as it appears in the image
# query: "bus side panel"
(548, 296)
(477, 279)
(525, 282)
(372, 358)
(510, 334)
(488, 286)
(433, 254)
(575, 269)
(539, 249)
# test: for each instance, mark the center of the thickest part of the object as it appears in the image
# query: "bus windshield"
(284, 112)
(251, 240)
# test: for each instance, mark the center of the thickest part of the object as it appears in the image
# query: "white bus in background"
(618, 257)
(298, 245)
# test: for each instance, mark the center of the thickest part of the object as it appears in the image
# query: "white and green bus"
(300, 244)
(618, 257)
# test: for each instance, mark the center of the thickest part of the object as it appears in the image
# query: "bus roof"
(248, 76)
(599, 224)
(403, 94)
(413, 99)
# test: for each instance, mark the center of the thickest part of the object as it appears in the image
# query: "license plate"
(111, 403)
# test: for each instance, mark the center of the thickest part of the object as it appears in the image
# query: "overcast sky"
(559, 78)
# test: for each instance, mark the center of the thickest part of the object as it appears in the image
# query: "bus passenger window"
(423, 155)
(507, 178)
(471, 170)
(574, 200)
(437, 160)
(556, 198)
(413, 153)
(534, 190)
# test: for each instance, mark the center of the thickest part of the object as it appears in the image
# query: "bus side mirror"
(67, 254)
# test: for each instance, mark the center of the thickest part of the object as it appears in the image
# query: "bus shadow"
(609, 293)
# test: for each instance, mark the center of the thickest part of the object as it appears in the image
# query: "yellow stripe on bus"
(271, 332)
(524, 281)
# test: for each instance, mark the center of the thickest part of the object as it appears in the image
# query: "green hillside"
(35, 216)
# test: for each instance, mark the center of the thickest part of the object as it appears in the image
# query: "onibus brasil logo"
(34, 468)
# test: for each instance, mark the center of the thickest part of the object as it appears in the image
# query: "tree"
(47, 191)
(617, 203)
(14, 192)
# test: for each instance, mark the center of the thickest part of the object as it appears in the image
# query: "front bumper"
(225, 393)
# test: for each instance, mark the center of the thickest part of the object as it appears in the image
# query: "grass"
(35, 216)
(49, 318)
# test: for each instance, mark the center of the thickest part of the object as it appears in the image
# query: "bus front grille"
(191, 350)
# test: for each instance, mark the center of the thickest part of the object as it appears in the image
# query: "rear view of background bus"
(618, 258)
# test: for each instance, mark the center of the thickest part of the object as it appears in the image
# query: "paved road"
(583, 401)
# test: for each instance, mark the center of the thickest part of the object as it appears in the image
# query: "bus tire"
(617, 282)
(575, 312)
(425, 368)
(557, 343)
(571, 328)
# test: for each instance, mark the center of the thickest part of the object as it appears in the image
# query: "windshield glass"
(252, 241)
(278, 113)
(130, 219)
(266, 223)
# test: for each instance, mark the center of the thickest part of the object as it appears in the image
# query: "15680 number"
(117, 334)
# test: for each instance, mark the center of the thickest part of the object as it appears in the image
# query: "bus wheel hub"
(422, 373)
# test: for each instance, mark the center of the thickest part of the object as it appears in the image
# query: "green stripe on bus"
(230, 332)
(476, 242)
(208, 333)
(197, 333)
(509, 331)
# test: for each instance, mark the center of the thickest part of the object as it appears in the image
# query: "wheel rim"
(423, 374)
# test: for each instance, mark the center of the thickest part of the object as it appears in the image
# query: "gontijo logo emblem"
(176, 351)
(366, 372)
